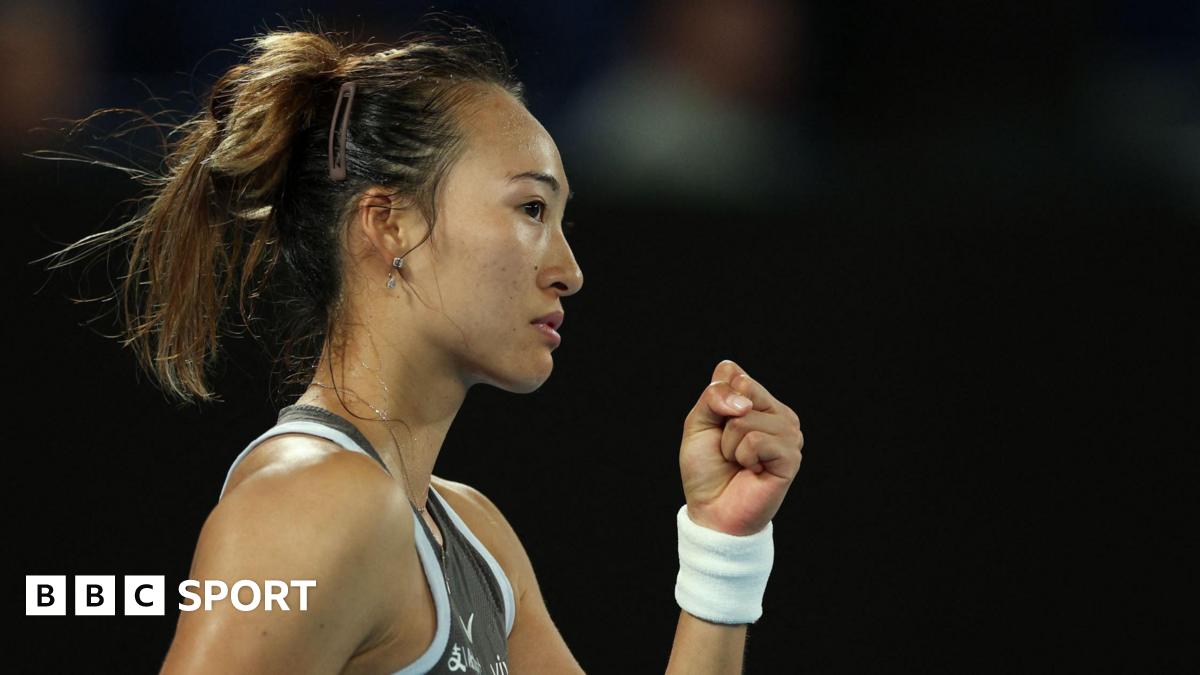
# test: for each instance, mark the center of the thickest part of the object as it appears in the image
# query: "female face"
(499, 259)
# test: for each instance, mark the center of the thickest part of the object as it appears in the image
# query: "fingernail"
(738, 401)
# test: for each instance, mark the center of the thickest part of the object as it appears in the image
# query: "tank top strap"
(463, 546)
(311, 413)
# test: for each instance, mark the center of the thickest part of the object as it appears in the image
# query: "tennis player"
(402, 211)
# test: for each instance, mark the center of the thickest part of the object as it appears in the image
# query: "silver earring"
(397, 263)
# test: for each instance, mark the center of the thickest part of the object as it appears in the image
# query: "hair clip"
(337, 161)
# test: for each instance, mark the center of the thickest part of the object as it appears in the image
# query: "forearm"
(703, 647)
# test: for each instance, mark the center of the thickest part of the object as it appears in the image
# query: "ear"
(387, 222)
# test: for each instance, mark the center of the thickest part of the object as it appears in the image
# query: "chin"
(530, 385)
(527, 380)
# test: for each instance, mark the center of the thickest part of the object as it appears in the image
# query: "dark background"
(954, 238)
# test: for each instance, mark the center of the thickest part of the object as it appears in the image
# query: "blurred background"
(953, 236)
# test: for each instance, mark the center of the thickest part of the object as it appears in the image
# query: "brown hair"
(245, 183)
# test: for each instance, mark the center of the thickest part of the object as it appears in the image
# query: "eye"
(539, 209)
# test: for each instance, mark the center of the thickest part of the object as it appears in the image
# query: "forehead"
(504, 138)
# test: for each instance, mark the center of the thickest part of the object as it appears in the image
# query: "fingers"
(737, 428)
(755, 450)
(724, 398)
(717, 402)
(739, 379)
(769, 434)
(777, 453)
(753, 390)
(720, 399)
(725, 371)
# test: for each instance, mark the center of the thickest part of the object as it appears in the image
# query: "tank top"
(472, 595)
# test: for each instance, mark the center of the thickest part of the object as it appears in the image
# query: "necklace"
(383, 417)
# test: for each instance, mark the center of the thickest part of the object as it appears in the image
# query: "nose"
(564, 273)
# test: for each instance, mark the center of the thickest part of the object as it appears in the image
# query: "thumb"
(717, 402)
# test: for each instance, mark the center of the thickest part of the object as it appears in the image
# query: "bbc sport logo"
(145, 595)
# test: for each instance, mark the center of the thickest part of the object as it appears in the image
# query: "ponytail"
(209, 231)
(245, 186)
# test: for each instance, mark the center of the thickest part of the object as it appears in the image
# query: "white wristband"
(722, 577)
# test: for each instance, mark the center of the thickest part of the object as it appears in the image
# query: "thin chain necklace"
(383, 417)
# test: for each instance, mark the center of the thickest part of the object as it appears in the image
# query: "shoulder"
(305, 502)
(302, 512)
(309, 482)
(304, 456)
(492, 529)
(463, 497)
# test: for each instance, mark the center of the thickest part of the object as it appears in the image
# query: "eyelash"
(567, 226)
(535, 203)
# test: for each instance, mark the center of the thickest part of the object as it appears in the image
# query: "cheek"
(504, 274)
(511, 257)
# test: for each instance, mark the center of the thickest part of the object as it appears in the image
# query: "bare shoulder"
(298, 512)
(304, 479)
(292, 454)
(306, 503)
(471, 499)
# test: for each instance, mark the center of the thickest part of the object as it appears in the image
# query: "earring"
(397, 263)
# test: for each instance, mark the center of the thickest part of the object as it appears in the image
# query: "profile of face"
(497, 258)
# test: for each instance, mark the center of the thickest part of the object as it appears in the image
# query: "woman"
(417, 207)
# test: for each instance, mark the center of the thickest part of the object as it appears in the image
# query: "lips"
(553, 319)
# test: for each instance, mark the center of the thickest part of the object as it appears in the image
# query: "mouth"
(553, 320)
(549, 332)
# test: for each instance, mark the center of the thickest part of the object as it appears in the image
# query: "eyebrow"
(541, 178)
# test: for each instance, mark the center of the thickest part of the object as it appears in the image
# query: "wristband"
(722, 577)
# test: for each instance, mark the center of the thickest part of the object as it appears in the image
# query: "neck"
(420, 398)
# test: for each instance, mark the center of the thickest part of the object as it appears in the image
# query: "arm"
(321, 520)
(741, 451)
(703, 647)
(736, 463)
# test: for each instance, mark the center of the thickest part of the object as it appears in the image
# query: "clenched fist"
(738, 461)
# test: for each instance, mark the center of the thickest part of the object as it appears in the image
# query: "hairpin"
(337, 161)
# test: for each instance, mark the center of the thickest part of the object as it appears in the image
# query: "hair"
(245, 184)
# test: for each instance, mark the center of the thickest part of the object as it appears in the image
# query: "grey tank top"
(472, 595)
